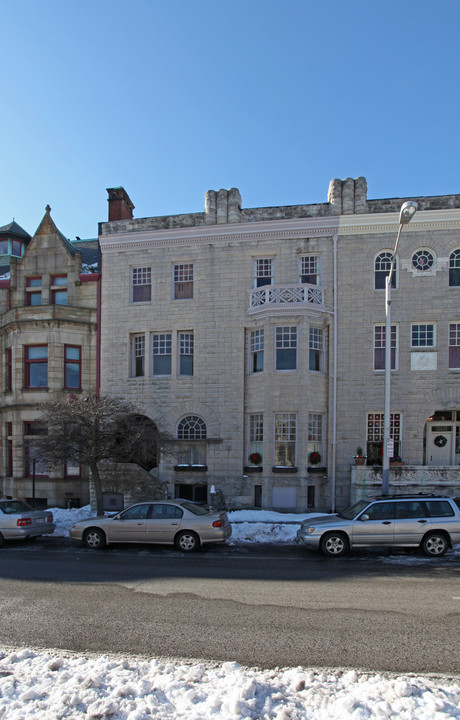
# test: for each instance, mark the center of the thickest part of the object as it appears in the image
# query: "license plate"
(39, 521)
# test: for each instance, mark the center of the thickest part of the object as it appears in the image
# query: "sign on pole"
(390, 447)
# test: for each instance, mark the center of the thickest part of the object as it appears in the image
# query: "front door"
(439, 444)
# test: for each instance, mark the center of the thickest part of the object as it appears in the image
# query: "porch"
(442, 480)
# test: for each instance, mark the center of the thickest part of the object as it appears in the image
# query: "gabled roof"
(14, 229)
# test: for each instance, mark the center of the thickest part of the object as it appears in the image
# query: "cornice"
(291, 229)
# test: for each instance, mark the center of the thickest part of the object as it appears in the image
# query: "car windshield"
(12, 507)
(195, 509)
(353, 510)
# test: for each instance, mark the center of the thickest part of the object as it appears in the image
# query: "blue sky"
(171, 98)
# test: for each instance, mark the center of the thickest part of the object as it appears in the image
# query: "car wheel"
(187, 541)
(334, 544)
(435, 544)
(94, 538)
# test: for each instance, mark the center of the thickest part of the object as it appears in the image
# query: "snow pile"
(55, 686)
(262, 526)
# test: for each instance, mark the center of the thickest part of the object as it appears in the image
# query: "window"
(186, 353)
(410, 510)
(161, 353)
(34, 291)
(454, 269)
(183, 281)
(315, 349)
(34, 464)
(9, 369)
(381, 511)
(315, 434)
(286, 348)
(285, 439)
(137, 512)
(137, 355)
(454, 346)
(423, 335)
(72, 367)
(141, 284)
(36, 366)
(16, 248)
(4, 247)
(422, 260)
(59, 290)
(9, 445)
(379, 347)
(256, 438)
(256, 351)
(309, 269)
(263, 272)
(72, 469)
(382, 270)
(192, 430)
(375, 428)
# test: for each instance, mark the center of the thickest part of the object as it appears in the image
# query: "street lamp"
(406, 214)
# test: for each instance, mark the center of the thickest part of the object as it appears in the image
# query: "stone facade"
(49, 341)
(187, 300)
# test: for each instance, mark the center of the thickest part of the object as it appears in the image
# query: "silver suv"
(431, 522)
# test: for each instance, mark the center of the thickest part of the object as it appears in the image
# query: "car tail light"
(218, 523)
(24, 521)
(49, 518)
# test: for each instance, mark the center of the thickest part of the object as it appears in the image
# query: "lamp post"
(406, 214)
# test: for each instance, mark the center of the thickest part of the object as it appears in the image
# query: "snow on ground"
(55, 685)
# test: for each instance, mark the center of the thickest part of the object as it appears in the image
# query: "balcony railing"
(290, 297)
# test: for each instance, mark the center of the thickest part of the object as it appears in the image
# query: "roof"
(14, 229)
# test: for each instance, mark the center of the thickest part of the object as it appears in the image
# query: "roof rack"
(408, 496)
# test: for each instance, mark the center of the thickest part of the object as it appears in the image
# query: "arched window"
(454, 269)
(192, 433)
(382, 269)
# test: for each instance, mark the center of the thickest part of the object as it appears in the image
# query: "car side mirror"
(364, 517)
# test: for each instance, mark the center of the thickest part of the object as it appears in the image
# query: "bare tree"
(91, 429)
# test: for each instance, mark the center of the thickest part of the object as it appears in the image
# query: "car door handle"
(422, 521)
(174, 523)
(386, 522)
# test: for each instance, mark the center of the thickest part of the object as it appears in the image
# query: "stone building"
(256, 337)
(49, 303)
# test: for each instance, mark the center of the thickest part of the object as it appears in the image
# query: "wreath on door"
(440, 440)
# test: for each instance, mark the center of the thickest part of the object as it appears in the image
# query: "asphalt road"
(264, 606)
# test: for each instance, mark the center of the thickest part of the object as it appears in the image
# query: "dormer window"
(58, 290)
(34, 291)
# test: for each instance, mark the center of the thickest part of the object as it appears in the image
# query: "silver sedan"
(20, 520)
(169, 522)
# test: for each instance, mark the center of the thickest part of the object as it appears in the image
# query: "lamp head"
(407, 212)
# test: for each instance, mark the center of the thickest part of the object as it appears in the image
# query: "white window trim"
(396, 367)
(254, 269)
(318, 266)
(286, 412)
(422, 348)
(395, 269)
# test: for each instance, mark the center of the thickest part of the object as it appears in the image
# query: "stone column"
(222, 207)
(334, 197)
(348, 196)
(234, 205)
(210, 207)
(360, 195)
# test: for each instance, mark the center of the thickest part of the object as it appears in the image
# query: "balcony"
(286, 299)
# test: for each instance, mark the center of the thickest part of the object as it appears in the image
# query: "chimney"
(120, 205)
